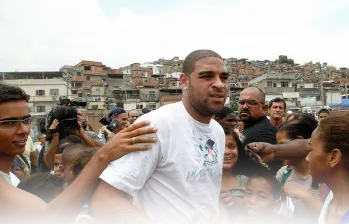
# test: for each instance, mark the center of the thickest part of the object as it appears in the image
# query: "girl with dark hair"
(233, 186)
(296, 173)
(329, 163)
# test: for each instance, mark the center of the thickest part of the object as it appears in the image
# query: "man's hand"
(54, 125)
(264, 150)
(80, 130)
(227, 198)
(129, 140)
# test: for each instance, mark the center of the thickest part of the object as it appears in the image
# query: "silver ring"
(133, 140)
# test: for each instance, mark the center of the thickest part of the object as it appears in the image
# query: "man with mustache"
(180, 178)
(257, 129)
(277, 109)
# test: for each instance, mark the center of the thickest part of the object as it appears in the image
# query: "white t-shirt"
(181, 175)
(10, 178)
(325, 207)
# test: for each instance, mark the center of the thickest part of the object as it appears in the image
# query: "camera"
(66, 114)
(111, 125)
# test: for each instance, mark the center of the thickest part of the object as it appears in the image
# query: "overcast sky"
(38, 35)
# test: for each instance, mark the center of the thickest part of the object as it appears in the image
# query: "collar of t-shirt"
(6, 177)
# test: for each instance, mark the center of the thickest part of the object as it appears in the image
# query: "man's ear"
(184, 79)
(277, 205)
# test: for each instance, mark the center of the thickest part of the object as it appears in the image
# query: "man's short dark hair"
(224, 112)
(189, 61)
(277, 100)
(12, 93)
(69, 140)
(271, 179)
(43, 185)
(323, 111)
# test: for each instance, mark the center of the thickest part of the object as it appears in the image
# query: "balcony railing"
(44, 98)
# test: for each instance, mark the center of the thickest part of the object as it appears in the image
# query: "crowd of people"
(194, 161)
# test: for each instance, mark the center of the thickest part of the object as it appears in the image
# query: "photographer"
(68, 121)
(116, 121)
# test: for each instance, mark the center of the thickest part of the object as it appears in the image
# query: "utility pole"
(321, 84)
(346, 90)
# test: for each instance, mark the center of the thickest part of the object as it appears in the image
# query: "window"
(269, 84)
(88, 77)
(40, 92)
(94, 107)
(316, 86)
(145, 79)
(78, 73)
(87, 68)
(151, 94)
(54, 92)
(151, 106)
(274, 85)
(40, 109)
(98, 89)
(318, 98)
(284, 84)
(74, 91)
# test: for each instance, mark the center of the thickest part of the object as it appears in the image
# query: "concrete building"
(168, 96)
(44, 89)
(278, 84)
(310, 94)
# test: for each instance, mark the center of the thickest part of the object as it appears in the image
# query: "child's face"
(282, 138)
(57, 168)
(230, 152)
(259, 202)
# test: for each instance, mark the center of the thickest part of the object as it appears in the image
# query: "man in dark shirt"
(257, 129)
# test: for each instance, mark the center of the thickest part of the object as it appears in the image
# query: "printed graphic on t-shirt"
(209, 153)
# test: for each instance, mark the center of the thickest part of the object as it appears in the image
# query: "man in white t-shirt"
(180, 177)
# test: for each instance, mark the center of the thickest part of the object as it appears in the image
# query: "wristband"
(52, 131)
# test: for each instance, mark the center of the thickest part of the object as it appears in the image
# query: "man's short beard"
(203, 108)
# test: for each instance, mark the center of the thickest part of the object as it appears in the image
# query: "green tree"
(290, 61)
(331, 68)
(283, 59)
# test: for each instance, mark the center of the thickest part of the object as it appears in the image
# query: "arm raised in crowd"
(52, 146)
(65, 207)
(84, 136)
(298, 148)
(310, 201)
